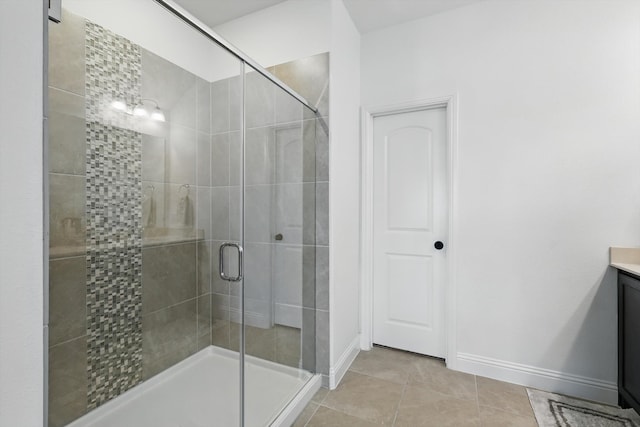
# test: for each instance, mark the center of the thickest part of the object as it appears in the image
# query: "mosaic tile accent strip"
(114, 217)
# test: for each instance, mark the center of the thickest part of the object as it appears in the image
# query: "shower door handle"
(223, 276)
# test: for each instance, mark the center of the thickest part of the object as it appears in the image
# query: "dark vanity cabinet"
(629, 340)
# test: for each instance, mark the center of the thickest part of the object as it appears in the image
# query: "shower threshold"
(203, 391)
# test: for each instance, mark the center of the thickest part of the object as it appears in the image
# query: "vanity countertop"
(625, 259)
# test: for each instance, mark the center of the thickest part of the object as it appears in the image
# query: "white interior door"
(409, 218)
(289, 225)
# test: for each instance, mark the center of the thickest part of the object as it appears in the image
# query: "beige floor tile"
(421, 406)
(326, 417)
(320, 395)
(383, 363)
(306, 415)
(433, 374)
(365, 397)
(491, 417)
(504, 396)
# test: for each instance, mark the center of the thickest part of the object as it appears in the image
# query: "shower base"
(203, 391)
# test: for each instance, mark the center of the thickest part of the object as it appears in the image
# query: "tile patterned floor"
(395, 388)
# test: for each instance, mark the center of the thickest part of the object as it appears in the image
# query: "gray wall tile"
(67, 299)
(235, 103)
(203, 106)
(322, 277)
(322, 213)
(258, 262)
(235, 158)
(258, 211)
(220, 106)
(203, 159)
(288, 108)
(67, 58)
(67, 217)
(153, 158)
(218, 285)
(203, 261)
(204, 321)
(310, 78)
(260, 156)
(235, 212)
(67, 144)
(220, 332)
(288, 346)
(322, 342)
(258, 342)
(66, 103)
(259, 100)
(289, 153)
(309, 276)
(203, 210)
(322, 149)
(220, 306)
(168, 276)
(220, 213)
(181, 156)
(172, 87)
(220, 160)
(309, 340)
(310, 153)
(183, 111)
(310, 213)
(67, 382)
(168, 336)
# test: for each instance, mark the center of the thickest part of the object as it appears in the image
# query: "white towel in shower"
(185, 211)
(149, 211)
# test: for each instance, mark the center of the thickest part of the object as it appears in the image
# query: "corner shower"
(182, 226)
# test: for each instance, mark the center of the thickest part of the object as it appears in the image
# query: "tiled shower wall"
(310, 78)
(282, 188)
(116, 279)
(186, 184)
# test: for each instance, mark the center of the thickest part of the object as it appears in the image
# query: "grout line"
(404, 389)
(68, 341)
(66, 174)
(312, 415)
(175, 305)
(475, 382)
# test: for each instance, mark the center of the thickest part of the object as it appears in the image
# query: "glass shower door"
(279, 248)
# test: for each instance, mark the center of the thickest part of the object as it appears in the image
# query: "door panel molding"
(450, 103)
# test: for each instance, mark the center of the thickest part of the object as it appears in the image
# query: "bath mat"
(554, 410)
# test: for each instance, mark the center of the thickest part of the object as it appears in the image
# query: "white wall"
(285, 32)
(21, 216)
(344, 195)
(548, 174)
(162, 33)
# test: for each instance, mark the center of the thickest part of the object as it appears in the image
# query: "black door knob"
(438, 245)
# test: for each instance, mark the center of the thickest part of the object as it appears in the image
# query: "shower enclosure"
(182, 226)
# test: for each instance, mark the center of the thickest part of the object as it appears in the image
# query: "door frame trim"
(368, 114)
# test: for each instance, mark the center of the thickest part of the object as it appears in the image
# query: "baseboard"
(341, 367)
(542, 379)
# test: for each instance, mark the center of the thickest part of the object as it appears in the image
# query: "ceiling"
(368, 15)
(371, 15)
(216, 12)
